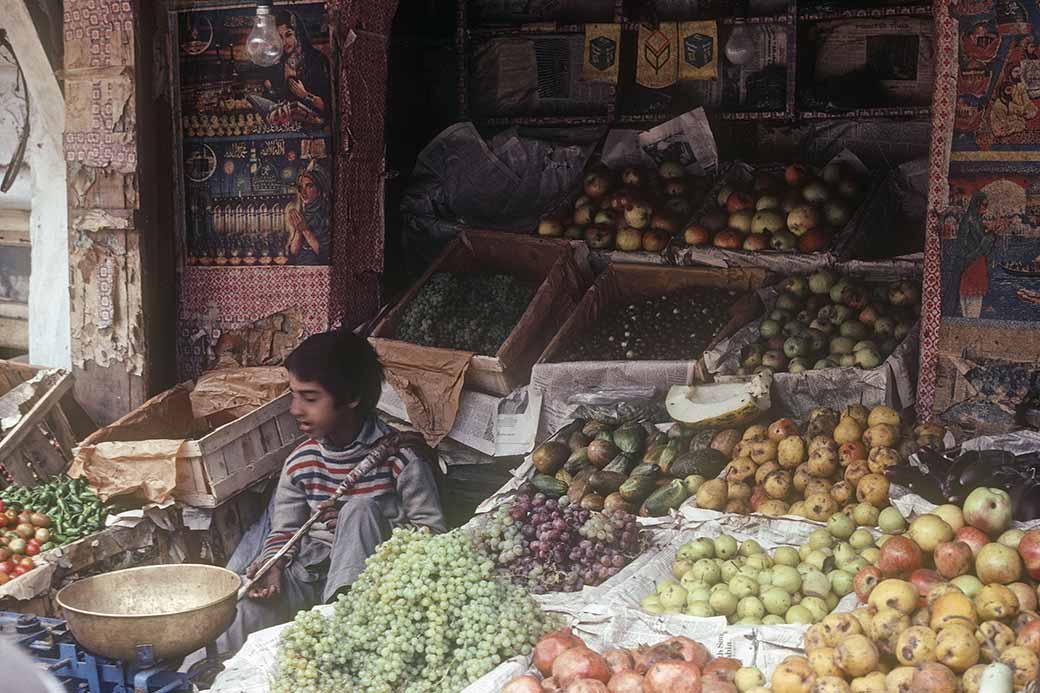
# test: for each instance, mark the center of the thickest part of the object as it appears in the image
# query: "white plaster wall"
(44, 181)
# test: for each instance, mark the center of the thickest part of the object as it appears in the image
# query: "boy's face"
(315, 409)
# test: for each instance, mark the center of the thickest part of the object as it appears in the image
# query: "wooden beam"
(39, 411)
(14, 227)
(14, 333)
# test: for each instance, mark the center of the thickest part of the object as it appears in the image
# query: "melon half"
(719, 405)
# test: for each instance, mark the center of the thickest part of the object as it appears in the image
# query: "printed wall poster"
(991, 249)
(257, 141)
(998, 84)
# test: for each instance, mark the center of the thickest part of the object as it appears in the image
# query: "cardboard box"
(619, 284)
(549, 264)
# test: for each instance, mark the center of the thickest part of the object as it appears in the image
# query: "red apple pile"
(635, 209)
(799, 213)
(563, 663)
(950, 594)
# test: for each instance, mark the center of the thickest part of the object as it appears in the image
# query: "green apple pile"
(798, 212)
(635, 209)
(747, 585)
(825, 320)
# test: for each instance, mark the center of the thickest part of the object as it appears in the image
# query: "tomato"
(43, 535)
(31, 549)
(3, 519)
(8, 566)
(3, 506)
(27, 562)
(20, 570)
(4, 554)
(25, 517)
(40, 520)
(25, 530)
(4, 577)
(17, 545)
(12, 516)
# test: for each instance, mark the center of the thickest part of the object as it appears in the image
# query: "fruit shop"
(713, 319)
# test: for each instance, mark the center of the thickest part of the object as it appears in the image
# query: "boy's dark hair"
(343, 363)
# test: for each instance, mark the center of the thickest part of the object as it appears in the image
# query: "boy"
(335, 378)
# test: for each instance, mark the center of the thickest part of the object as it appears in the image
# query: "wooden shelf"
(810, 15)
(882, 112)
(789, 20)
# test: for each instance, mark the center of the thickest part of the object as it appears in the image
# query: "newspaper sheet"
(494, 426)
(687, 139)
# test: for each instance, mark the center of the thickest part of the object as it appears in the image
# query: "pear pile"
(837, 461)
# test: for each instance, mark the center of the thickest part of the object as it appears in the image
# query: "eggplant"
(926, 485)
(1028, 506)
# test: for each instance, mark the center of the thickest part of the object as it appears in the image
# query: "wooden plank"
(14, 333)
(14, 227)
(230, 431)
(269, 435)
(252, 472)
(38, 411)
(287, 427)
(252, 446)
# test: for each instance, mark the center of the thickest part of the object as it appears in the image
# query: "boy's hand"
(330, 514)
(269, 585)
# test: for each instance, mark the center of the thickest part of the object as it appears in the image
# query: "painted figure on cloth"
(974, 244)
(308, 218)
(1011, 109)
(301, 82)
(991, 249)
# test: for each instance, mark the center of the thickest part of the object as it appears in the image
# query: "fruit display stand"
(622, 283)
(740, 176)
(892, 382)
(549, 265)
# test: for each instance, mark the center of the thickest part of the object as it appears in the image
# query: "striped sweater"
(404, 487)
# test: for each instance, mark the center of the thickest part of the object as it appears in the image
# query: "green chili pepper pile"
(73, 507)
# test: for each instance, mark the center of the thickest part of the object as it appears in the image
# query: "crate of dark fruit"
(495, 296)
(641, 325)
(630, 210)
(828, 338)
(784, 217)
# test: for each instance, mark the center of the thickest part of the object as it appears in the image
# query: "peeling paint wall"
(109, 350)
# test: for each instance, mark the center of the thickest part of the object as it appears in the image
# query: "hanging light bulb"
(264, 44)
(740, 48)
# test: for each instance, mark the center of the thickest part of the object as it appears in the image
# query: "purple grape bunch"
(552, 545)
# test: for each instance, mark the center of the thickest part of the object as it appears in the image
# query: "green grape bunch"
(469, 312)
(426, 615)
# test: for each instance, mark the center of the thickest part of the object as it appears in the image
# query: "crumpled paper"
(429, 381)
(221, 396)
(144, 469)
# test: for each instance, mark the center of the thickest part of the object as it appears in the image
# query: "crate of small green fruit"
(840, 337)
(640, 324)
(495, 296)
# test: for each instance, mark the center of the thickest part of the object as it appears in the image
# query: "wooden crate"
(215, 465)
(620, 284)
(550, 264)
(234, 456)
(40, 443)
